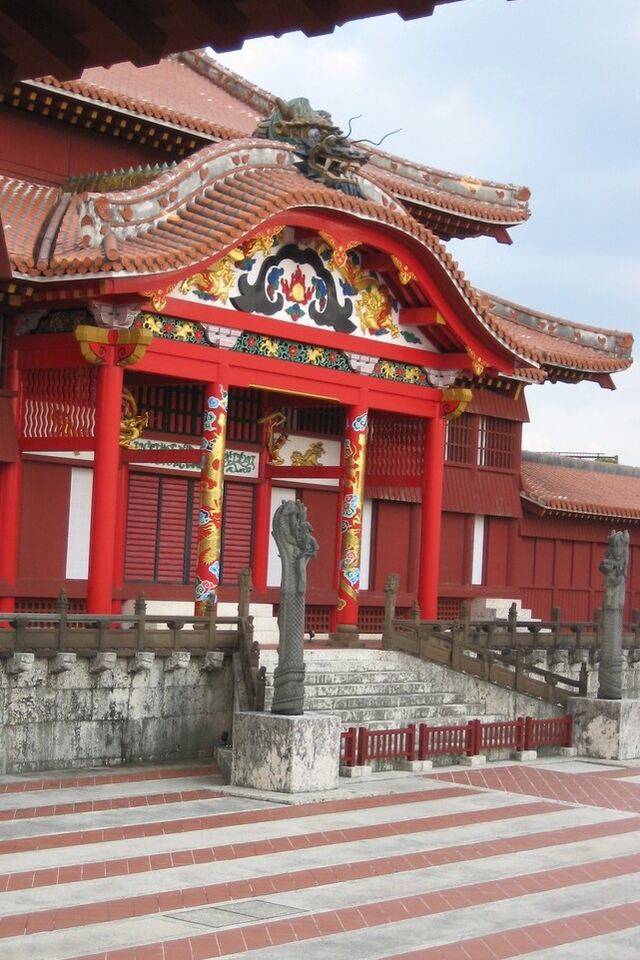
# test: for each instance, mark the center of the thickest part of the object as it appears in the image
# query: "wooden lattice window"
(59, 402)
(327, 421)
(172, 408)
(497, 443)
(244, 413)
(396, 447)
(449, 608)
(458, 440)
(371, 619)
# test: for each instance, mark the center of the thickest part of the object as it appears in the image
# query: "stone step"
(339, 702)
(408, 688)
(361, 677)
(400, 716)
(432, 721)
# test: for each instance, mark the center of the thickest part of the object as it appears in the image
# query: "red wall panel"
(392, 543)
(44, 523)
(49, 151)
(453, 549)
(237, 529)
(322, 513)
(496, 551)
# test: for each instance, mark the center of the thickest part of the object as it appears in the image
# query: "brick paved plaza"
(161, 863)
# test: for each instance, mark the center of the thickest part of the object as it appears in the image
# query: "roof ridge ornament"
(323, 151)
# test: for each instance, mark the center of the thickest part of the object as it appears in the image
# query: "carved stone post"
(296, 545)
(614, 568)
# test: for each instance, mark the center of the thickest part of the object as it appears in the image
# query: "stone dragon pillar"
(296, 545)
(614, 567)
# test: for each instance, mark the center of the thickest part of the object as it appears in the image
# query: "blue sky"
(537, 92)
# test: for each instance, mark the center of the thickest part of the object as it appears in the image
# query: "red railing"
(397, 744)
(359, 746)
(349, 747)
(441, 741)
(556, 732)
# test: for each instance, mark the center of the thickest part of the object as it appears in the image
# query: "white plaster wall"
(274, 567)
(477, 553)
(79, 523)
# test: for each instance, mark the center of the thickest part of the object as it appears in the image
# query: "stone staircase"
(377, 689)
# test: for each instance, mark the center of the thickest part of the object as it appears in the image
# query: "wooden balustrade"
(47, 634)
(498, 650)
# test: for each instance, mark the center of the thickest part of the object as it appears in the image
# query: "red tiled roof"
(195, 93)
(581, 487)
(502, 203)
(172, 91)
(209, 202)
(555, 342)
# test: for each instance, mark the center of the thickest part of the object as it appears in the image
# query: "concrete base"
(415, 766)
(286, 754)
(477, 760)
(607, 729)
(346, 635)
(524, 755)
(356, 773)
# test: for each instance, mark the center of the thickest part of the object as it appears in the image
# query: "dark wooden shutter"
(173, 507)
(237, 529)
(142, 524)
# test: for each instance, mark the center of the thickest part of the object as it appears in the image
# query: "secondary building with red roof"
(212, 301)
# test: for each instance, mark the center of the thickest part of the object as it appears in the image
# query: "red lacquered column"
(10, 499)
(104, 503)
(431, 519)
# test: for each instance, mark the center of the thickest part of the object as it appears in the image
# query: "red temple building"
(213, 301)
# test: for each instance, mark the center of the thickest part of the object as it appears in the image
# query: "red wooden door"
(322, 513)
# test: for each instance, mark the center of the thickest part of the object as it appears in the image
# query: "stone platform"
(286, 754)
(608, 729)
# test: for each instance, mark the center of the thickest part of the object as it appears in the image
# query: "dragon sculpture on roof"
(324, 152)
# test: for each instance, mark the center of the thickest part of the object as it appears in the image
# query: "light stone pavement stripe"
(105, 819)
(224, 835)
(378, 888)
(92, 891)
(380, 941)
(107, 791)
(184, 878)
(389, 940)
(622, 945)
(604, 883)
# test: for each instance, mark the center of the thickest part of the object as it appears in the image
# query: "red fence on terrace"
(359, 746)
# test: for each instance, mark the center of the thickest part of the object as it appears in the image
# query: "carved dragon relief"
(324, 152)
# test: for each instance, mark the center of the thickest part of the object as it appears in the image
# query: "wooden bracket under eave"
(421, 317)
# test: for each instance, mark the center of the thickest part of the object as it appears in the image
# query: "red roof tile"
(194, 92)
(581, 487)
(213, 199)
